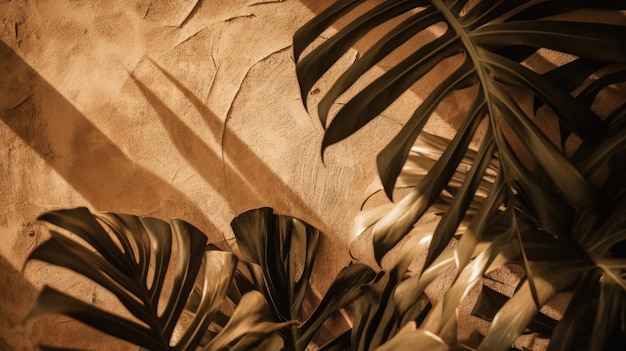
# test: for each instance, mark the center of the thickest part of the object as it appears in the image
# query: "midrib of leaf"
(470, 47)
(151, 306)
(155, 321)
(483, 76)
(485, 83)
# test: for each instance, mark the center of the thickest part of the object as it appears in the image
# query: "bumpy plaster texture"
(164, 108)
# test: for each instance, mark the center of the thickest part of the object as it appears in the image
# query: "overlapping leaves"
(503, 210)
(132, 259)
(268, 285)
(491, 39)
(284, 248)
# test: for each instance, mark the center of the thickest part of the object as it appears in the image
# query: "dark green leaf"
(565, 177)
(306, 34)
(475, 33)
(593, 41)
(571, 112)
(81, 222)
(133, 268)
(314, 65)
(456, 213)
(486, 11)
(551, 8)
(588, 96)
(377, 96)
(345, 288)
(393, 156)
(53, 301)
(576, 319)
(66, 253)
(282, 246)
(394, 38)
(543, 246)
(570, 75)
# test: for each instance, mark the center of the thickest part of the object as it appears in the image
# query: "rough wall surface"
(186, 109)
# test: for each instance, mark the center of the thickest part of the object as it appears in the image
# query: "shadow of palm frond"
(83, 155)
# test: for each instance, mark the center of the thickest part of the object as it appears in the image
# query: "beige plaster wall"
(164, 108)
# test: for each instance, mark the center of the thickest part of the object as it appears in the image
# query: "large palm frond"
(282, 251)
(131, 256)
(492, 41)
(503, 209)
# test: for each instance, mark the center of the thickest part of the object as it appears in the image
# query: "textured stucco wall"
(186, 109)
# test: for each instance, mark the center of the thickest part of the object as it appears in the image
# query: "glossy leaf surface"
(131, 257)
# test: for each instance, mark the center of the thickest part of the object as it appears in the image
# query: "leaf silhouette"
(131, 259)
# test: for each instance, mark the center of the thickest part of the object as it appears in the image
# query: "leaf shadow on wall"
(265, 188)
(78, 151)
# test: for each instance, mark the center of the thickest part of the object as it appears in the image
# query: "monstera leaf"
(516, 198)
(283, 249)
(495, 44)
(131, 256)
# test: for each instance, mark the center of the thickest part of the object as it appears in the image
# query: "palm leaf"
(490, 302)
(560, 213)
(492, 40)
(513, 318)
(575, 326)
(131, 259)
(284, 249)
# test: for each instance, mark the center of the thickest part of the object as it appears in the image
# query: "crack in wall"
(265, 2)
(230, 106)
(191, 13)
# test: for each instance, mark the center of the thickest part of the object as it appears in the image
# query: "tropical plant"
(560, 218)
(132, 259)
(280, 252)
